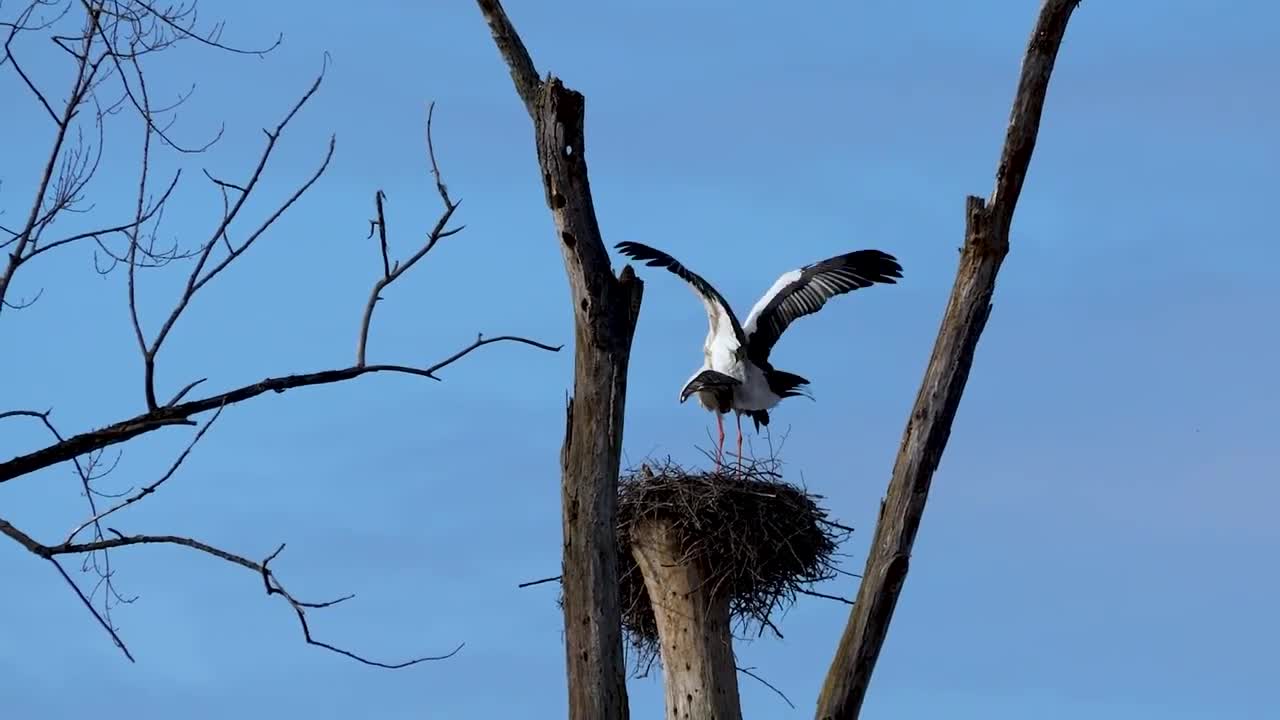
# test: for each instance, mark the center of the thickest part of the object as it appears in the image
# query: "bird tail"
(785, 384)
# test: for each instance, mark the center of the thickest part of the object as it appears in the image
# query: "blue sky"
(1098, 532)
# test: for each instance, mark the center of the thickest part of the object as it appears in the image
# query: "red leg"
(739, 441)
(720, 446)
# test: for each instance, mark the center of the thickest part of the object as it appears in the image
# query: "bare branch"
(299, 607)
(183, 392)
(24, 413)
(748, 672)
(116, 56)
(60, 191)
(523, 72)
(20, 25)
(271, 219)
(180, 414)
(381, 225)
(431, 155)
(87, 473)
(825, 596)
(210, 39)
(929, 426)
(83, 78)
(106, 624)
(390, 272)
(481, 341)
(132, 234)
(531, 583)
(24, 302)
(199, 276)
(173, 468)
(149, 213)
(273, 586)
(223, 183)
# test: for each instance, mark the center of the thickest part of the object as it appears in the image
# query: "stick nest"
(761, 539)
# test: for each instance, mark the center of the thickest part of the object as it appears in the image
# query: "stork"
(736, 374)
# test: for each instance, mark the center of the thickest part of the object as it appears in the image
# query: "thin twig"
(381, 224)
(17, 26)
(78, 90)
(173, 468)
(115, 636)
(431, 155)
(531, 583)
(815, 593)
(274, 587)
(210, 39)
(391, 272)
(199, 275)
(183, 392)
(149, 388)
(151, 211)
(766, 683)
(24, 413)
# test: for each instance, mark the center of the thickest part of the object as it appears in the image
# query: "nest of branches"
(762, 540)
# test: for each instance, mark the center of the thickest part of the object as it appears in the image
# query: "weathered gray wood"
(605, 309)
(698, 670)
(925, 437)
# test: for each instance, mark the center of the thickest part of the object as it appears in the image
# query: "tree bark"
(605, 310)
(928, 427)
(698, 669)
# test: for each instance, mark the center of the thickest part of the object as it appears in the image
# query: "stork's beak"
(688, 390)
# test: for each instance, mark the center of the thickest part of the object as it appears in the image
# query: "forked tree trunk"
(698, 669)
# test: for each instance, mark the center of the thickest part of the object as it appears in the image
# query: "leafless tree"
(605, 308)
(104, 47)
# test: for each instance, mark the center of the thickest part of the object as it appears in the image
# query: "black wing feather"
(656, 258)
(817, 284)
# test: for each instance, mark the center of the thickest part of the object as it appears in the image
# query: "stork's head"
(714, 390)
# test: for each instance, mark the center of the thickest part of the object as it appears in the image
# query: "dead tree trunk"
(986, 244)
(698, 671)
(605, 309)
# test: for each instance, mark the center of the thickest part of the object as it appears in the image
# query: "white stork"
(735, 373)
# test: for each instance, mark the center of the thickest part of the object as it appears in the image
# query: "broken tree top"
(758, 539)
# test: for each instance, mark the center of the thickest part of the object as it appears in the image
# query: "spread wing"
(803, 292)
(719, 315)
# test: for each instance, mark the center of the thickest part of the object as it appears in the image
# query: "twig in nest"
(531, 583)
(815, 593)
(766, 683)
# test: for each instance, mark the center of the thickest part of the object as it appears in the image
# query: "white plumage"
(735, 373)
